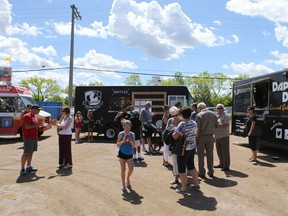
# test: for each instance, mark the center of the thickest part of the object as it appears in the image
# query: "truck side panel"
(269, 95)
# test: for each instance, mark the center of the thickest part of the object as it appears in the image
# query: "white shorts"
(137, 143)
(175, 164)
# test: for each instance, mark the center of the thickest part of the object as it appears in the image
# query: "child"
(136, 129)
(126, 143)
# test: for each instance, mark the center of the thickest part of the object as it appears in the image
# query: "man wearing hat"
(222, 138)
(146, 118)
(30, 127)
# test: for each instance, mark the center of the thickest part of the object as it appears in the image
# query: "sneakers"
(140, 159)
(23, 172)
(68, 166)
(61, 166)
(183, 192)
(30, 169)
(135, 160)
(195, 187)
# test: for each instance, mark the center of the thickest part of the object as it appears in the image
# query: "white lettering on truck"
(281, 87)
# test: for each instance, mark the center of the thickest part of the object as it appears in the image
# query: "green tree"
(210, 88)
(41, 88)
(133, 80)
(175, 81)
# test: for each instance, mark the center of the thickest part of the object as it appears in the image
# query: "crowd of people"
(194, 129)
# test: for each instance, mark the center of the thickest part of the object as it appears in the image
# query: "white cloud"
(24, 29)
(18, 51)
(234, 41)
(62, 28)
(5, 15)
(96, 29)
(162, 32)
(226, 67)
(48, 51)
(104, 65)
(281, 59)
(250, 69)
(273, 10)
(217, 22)
(281, 34)
(61, 76)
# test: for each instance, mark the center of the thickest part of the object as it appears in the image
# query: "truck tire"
(111, 133)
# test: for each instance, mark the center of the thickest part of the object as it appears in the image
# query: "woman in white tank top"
(65, 136)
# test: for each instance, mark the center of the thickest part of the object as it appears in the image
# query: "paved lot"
(93, 186)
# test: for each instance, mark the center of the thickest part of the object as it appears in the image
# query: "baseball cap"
(173, 111)
(36, 107)
(135, 111)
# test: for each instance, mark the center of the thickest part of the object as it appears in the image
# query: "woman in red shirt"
(78, 125)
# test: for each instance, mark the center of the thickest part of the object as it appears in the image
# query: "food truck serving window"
(116, 103)
(7, 104)
(260, 94)
(242, 96)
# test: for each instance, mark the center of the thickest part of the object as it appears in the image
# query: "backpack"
(175, 146)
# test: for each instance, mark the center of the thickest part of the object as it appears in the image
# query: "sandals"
(168, 165)
(252, 160)
(174, 182)
(124, 189)
(129, 186)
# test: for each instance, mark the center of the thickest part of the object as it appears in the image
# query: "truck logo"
(93, 100)
(279, 133)
(286, 134)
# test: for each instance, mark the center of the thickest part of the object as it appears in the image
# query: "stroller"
(156, 138)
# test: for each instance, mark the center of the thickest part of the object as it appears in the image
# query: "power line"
(126, 72)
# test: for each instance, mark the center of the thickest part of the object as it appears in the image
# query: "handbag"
(176, 146)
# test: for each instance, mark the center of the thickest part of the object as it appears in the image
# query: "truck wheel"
(111, 133)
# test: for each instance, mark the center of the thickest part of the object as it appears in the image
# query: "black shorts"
(124, 156)
(186, 161)
(253, 142)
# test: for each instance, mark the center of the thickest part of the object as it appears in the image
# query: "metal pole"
(70, 97)
(75, 14)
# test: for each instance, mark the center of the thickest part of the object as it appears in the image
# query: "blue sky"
(155, 37)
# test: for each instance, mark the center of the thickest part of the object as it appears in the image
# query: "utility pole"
(75, 14)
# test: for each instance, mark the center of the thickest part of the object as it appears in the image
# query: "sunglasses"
(220, 108)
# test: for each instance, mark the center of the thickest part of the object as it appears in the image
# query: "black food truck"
(107, 101)
(269, 95)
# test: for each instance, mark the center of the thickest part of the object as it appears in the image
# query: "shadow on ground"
(132, 196)
(198, 201)
(29, 177)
